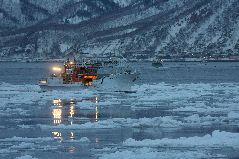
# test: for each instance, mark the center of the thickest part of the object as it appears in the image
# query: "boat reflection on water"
(57, 135)
(57, 102)
(72, 136)
(57, 115)
(69, 112)
(96, 113)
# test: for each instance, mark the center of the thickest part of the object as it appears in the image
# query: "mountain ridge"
(137, 28)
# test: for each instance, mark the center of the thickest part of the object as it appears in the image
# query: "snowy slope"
(131, 28)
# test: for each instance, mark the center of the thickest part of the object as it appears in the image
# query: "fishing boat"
(105, 76)
(157, 62)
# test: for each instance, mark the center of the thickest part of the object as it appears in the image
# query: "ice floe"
(23, 145)
(7, 151)
(84, 140)
(121, 122)
(149, 153)
(198, 97)
(167, 148)
(207, 98)
(15, 97)
(25, 139)
(216, 139)
(233, 115)
(160, 122)
(24, 126)
(190, 105)
(25, 157)
(20, 144)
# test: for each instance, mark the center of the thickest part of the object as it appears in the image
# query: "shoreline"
(130, 60)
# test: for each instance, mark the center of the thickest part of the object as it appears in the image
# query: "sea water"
(180, 110)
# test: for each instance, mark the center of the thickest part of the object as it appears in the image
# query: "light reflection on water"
(57, 115)
(96, 113)
(57, 135)
(66, 112)
(72, 136)
(56, 102)
(72, 110)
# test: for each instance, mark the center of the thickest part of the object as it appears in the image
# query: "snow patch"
(64, 47)
(174, 30)
(123, 3)
(76, 19)
(231, 43)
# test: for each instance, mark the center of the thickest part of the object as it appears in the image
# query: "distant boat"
(203, 61)
(157, 62)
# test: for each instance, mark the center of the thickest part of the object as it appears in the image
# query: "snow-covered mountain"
(32, 28)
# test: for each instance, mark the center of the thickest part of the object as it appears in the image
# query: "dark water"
(172, 72)
(26, 122)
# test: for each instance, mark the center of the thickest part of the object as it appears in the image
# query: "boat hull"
(157, 64)
(111, 83)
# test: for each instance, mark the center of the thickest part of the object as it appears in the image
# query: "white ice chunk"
(23, 145)
(26, 157)
(25, 139)
(217, 139)
(148, 153)
(84, 140)
(233, 114)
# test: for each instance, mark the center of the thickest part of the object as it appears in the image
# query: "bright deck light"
(56, 102)
(56, 69)
(43, 81)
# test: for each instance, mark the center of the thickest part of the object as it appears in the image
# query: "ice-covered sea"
(183, 110)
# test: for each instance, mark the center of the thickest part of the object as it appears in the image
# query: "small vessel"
(203, 61)
(105, 76)
(157, 62)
